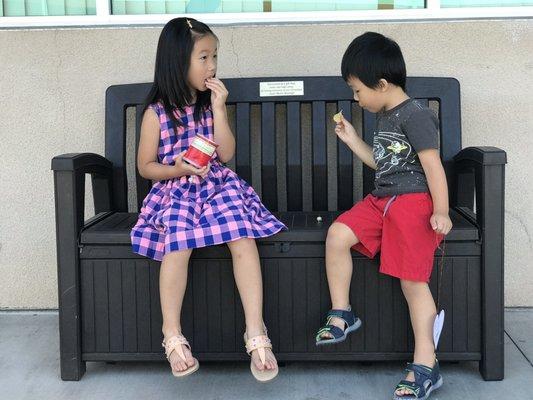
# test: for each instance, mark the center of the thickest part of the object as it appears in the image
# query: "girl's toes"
(190, 362)
(258, 363)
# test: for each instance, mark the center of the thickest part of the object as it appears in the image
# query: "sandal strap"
(174, 343)
(259, 343)
(334, 330)
(346, 315)
(420, 371)
(416, 389)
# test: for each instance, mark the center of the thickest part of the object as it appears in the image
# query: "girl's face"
(203, 62)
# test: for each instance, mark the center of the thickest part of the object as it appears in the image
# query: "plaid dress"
(178, 214)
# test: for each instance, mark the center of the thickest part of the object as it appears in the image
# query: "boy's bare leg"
(339, 268)
(172, 285)
(423, 312)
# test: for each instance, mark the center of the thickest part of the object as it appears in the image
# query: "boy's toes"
(402, 392)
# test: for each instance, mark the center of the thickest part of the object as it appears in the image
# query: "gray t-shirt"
(401, 133)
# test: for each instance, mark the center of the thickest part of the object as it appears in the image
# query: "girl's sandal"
(260, 343)
(174, 343)
(426, 381)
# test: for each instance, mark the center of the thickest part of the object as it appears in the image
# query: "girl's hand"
(219, 93)
(183, 168)
(441, 223)
(345, 131)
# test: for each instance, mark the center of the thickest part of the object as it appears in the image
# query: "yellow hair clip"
(189, 23)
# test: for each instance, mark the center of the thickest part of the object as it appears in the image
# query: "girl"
(190, 207)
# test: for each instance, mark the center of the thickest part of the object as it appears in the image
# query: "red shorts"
(398, 226)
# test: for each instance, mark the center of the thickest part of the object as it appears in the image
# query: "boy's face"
(203, 62)
(370, 99)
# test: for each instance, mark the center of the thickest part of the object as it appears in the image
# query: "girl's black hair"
(172, 63)
(371, 57)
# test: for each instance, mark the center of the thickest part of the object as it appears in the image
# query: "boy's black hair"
(371, 57)
(172, 63)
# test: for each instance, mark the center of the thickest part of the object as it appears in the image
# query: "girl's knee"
(242, 247)
(177, 256)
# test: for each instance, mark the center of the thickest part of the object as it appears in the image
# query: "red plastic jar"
(200, 151)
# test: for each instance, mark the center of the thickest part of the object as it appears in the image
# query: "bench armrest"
(80, 161)
(76, 165)
(472, 180)
(482, 155)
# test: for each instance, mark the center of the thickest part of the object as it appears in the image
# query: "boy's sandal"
(260, 343)
(351, 324)
(426, 381)
(174, 343)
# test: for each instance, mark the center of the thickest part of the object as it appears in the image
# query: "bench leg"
(69, 219)
(491, 210)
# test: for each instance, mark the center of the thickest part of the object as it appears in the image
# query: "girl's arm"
(222, 131)
(346, 132)
(438, 187)
(147, 164)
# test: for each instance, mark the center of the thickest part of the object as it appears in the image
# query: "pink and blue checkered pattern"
(178, 214)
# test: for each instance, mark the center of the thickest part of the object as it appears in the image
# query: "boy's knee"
(338, 238)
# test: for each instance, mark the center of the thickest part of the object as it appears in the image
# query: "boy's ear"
(383, 85)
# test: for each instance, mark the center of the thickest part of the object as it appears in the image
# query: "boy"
(405, 217)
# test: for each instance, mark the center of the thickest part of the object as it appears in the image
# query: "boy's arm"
(363, 151)
(438, 187)
(347, 133)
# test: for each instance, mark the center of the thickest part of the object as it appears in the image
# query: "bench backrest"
(286, 147)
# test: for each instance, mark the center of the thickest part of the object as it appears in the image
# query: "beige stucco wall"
(52, 88)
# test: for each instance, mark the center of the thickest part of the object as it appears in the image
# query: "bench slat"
(294, 157)
(320, 173)
(242, 134)
(143, 185)
(269, 179)
(345, 165)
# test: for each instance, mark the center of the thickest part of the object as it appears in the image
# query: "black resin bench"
(109, 306)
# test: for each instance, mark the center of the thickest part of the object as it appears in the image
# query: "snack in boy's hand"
(338, 117)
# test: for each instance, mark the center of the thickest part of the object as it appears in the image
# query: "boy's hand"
(219, 93)
(345, 131)
(183, 168)
(441, 223)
